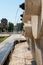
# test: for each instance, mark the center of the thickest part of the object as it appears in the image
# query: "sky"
(10, 10)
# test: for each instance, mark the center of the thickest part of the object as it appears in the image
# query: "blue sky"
(8, 9)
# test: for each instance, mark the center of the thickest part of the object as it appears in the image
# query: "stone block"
(32, 7)
(36, 26)
(28, 30)
(26, 18)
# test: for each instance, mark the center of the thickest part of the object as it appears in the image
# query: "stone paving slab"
(21, 55)
(6, 46)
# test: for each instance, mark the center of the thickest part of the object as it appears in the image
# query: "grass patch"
(3, 38)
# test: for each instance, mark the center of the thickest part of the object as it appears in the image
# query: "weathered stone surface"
(41, 25)
(26, 18)
(32, 7)
(21, 55)
(35, 26)
(38, 54)
(27, 30)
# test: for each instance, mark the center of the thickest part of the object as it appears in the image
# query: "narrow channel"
(21, 55)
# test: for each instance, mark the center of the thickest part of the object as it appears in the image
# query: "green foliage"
(2, 38)
(11, 27)
(19, 26)
(4, 24)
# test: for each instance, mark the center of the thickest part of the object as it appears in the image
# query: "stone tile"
(21, 55)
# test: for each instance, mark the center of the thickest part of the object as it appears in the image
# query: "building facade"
(33, 26)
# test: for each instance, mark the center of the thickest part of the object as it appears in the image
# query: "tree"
(4, 24)
(4, 21)
(10, 27)
(19, 26)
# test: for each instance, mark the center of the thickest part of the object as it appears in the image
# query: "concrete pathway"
(1, 35)
(6, 46)
(21, 55)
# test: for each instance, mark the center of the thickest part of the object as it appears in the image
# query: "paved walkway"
(1, 35)
(21, 55)
(7, 44)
